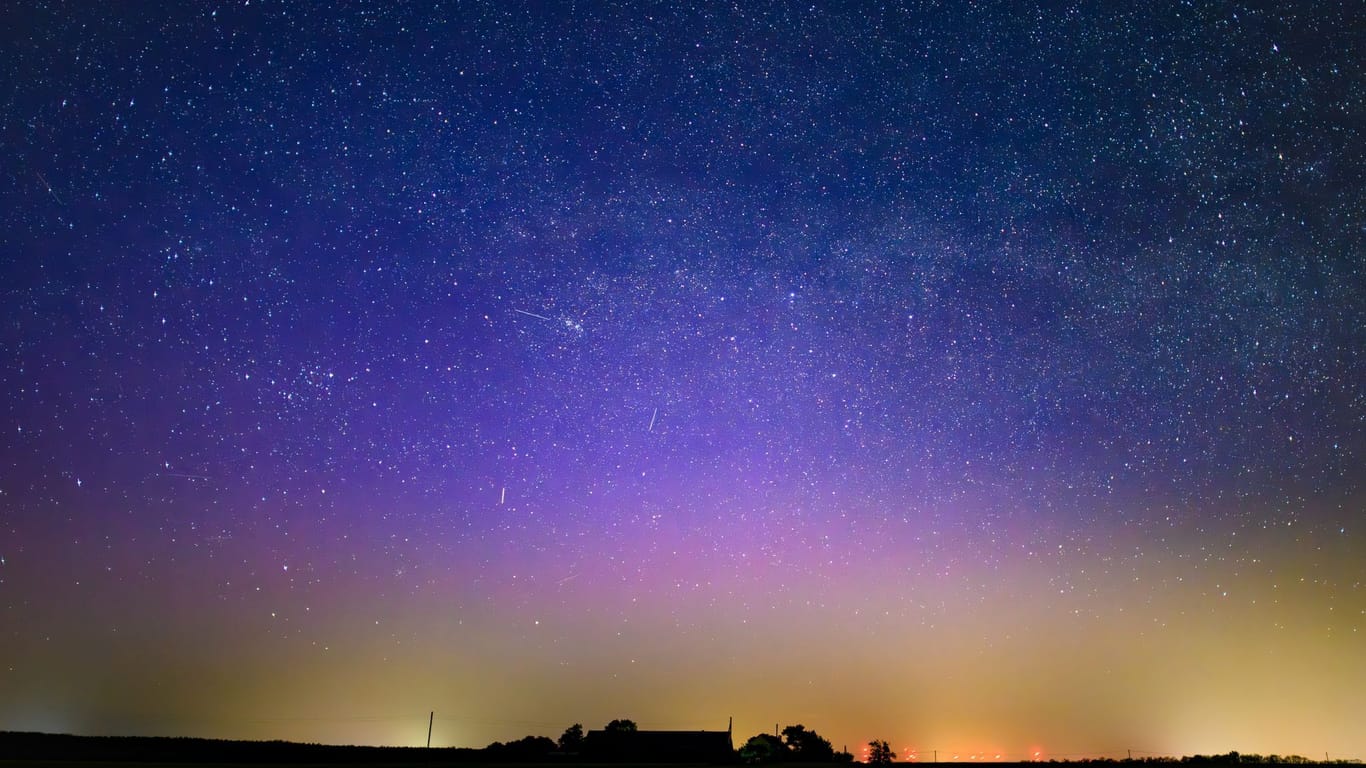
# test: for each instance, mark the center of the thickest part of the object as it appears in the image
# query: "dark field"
(40, 750)
(418, 763)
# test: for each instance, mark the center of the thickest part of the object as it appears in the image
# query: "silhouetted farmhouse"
(659, 746)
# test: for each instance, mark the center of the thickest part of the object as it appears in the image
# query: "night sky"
(983, 377)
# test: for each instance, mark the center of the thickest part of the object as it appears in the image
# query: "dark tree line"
(795, 745)
(1234, 757)
(572, 740)
(530, 749)
(526, 749)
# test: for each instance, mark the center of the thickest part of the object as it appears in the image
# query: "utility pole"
(430, 719)
(936, 755)
(1131, 754)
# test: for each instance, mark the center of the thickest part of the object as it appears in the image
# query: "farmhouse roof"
(660, 746)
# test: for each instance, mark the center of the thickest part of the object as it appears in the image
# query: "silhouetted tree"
(572, 738)
(807, 746)
(763, 748)
(880, 753)
(621, 726)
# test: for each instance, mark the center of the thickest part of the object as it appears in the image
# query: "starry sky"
(980, 376)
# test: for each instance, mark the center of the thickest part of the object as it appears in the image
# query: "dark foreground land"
(66, 751)
(42, 750)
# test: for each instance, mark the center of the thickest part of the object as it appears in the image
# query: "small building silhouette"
(711, 747)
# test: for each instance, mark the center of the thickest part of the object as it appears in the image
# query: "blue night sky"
(984, 377)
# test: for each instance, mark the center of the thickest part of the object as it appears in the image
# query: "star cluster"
(980, 376)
